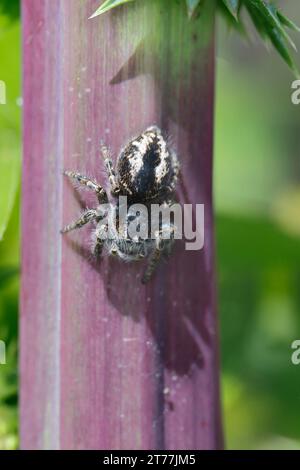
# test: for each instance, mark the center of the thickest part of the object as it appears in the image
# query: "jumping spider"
(147, 173)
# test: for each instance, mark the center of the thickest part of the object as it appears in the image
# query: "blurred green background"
(10, 152)
(257, 196)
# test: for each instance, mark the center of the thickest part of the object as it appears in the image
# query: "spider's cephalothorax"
(147, 172)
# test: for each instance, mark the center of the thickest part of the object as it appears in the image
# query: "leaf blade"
(108, 5)
(233, 7)
(191, 6)
(267, 18)
(285, 21)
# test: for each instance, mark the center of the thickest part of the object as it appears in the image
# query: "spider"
(147, 173)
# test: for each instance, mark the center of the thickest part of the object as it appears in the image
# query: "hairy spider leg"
(176, 168)
(162, 246)
(109, 168)
(88, 216)
(91, 184)
(98, 247)
(99, 243)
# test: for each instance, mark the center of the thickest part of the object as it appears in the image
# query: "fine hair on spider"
(147, 171)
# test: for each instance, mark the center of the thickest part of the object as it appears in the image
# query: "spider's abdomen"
(145, 170)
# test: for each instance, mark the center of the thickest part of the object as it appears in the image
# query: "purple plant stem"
(105, 361)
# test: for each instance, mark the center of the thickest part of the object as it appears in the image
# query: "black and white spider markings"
(147, 173)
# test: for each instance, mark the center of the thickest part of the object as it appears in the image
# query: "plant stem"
(105, 361)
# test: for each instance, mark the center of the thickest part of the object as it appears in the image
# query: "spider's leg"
(168, 247)
(162, 246)
(84, 219)
(98, 247)
(152, 264)
(175, 168)
(109, 169)
(91, 184)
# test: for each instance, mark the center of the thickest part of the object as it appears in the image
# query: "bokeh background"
(257, 199)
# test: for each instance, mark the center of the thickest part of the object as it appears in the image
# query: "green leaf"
(287, 22)
(233, 7)
(108, 5)
(192, 5)
(238, 26)
(268, 12)
(268, 20)
(279, 45)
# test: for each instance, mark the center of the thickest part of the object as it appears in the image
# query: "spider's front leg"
(163, 244)
(176, 171)
(109, 169)
(98, 247)
(88, 216)
(91, 184)
(100, 237)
